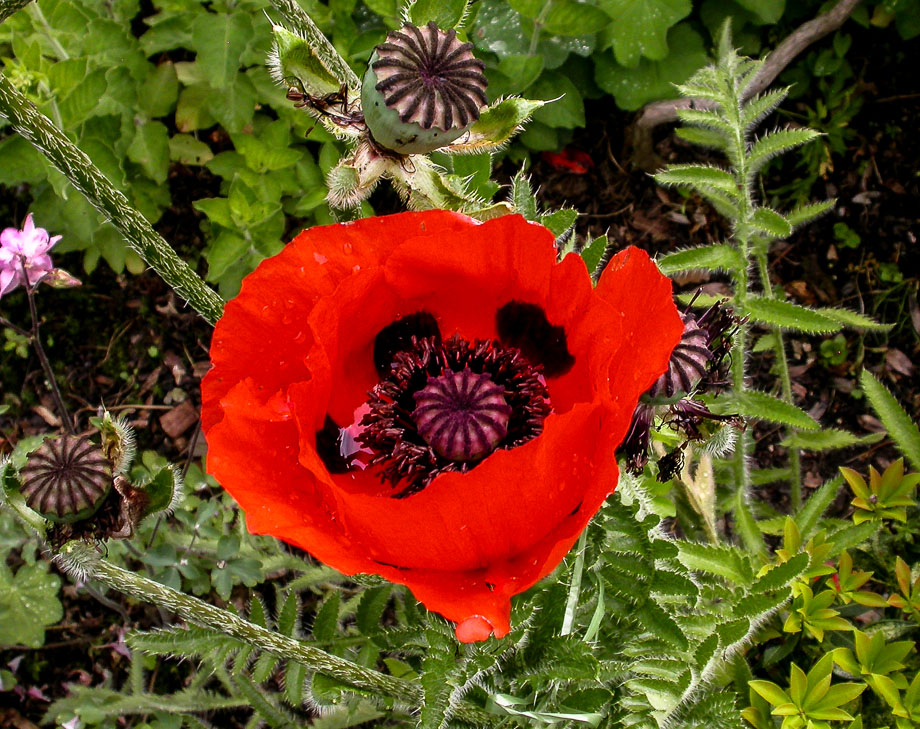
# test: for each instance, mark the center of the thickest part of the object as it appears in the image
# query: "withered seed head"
(66, 479)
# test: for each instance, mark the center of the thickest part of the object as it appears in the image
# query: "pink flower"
(25, 253)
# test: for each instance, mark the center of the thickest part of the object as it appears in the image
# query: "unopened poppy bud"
(422, 90)
(66, 479)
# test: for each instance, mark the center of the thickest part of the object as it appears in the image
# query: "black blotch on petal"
(327, 446)
(397, 337)
(526, 327)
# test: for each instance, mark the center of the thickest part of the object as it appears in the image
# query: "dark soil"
(129, 343)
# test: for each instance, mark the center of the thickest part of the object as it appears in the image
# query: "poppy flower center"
(462, 415)
(440, 406)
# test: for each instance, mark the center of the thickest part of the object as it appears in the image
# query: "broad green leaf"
(160, 90)
(770, 691)
(762, 406)
(789, 316)
(902, 429)
(521, 70)
(150, 149)
(828, 439)
(640, 27)
(568, 17)
(652, 80)
(225, 250)
(769, 11)
(235, 105)
(184, 148)
(559, 221)
(220, 39)
(193, 109)
(564, 107)
(83, 101)
(715, 257)
(771, 222)
(853, 320)
(22, 163)
(28, 603)
(445, 13)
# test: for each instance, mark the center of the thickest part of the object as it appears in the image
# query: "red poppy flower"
(433, 399)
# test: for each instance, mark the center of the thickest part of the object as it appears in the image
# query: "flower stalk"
(89, 180)
(81, 559)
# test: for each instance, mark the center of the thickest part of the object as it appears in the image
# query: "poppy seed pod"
(66, 479)
(423, 89)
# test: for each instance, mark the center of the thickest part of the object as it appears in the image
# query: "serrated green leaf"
(708, 118)
(762, 406)
(559, 221)
(722, 561)
(655, 619)
(776, 143)
(771, 222)
(807, 212)
(715, 257)
(853, 320)
(807, 518)
(161, 89)
(828, 439)
(150, 149)
(325, 624)
(370, 608)
(781, 575)
(902, 429)
(287, 617)
(592, 253)
(787, 315)
(758, 107)
(187, 150)
(522, 197)
(699, 176)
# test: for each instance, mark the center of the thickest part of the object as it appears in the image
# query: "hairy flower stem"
(84, 561)
(43, 358)
(8, 7)
(795, 464)
(575, 585)
(745, 523)
(77, 167)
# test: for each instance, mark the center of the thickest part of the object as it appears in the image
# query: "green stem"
(795, 464)
(327, 54)
(8, 7)
(80, 558)
(77, 167)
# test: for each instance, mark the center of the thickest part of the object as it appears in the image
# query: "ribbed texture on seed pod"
(423, 89)
(66, 479)
(689, 361)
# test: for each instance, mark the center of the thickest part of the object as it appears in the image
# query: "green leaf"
(187, 150)
(698, 176)
(828, 439)
(781, 575)
(760, 106)
(761, 406)
(592, 253)
(21, 162)
(852, 320)
(776, 143)
(225, 250)
(771, 222)
(150, 149)
(522, 197)
(325, 624)
(568, 17)
(446, 14)
(496, 125)
(28, 602)
(807, 518)
(220, 39)
(564, 107)
(652, 80)
(902, 429)
(770, 691)
(789, 316)
(559, 221)
(640, 27)
(235, 105)
(715, 257)
(522, 70)
(722, 561)
(769, 11)
(807, 212)
(370, 608)
(161, 89)
(192, 109)
(654, 619)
